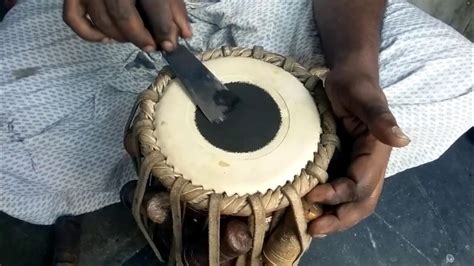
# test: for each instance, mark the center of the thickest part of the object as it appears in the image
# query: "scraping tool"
(212, 97)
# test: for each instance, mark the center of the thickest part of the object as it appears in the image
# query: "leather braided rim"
(238, 205)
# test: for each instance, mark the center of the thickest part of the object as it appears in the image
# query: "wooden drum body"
(256, 168)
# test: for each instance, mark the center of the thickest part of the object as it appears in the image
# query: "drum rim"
(196, 196)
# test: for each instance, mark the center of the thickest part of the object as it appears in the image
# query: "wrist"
(361, 63)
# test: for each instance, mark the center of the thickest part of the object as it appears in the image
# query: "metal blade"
(205, 90)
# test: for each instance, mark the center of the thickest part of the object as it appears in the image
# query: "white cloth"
(64, 102)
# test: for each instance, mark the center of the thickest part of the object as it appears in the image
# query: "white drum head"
(269, 167)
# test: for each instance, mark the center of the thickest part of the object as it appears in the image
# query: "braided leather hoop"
(236, 205)
(152, 163)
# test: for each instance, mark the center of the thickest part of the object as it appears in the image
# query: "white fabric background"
(64, 102)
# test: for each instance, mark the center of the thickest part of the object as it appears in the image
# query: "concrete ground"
(425, 217)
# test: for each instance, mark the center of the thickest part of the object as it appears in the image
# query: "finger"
(372, 108)
(74, 16)
(180, 17)
(126, 17)
(367, 171)
(171, 41)
(368, 162)
(101, 18)
(324, 225)
(382, 124)
(338, 191)
(346, 215)
(369, 158)
(163, 27)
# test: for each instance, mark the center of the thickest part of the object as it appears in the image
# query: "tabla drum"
(257, 165)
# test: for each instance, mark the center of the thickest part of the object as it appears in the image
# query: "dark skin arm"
(350, 36)
(350, 30)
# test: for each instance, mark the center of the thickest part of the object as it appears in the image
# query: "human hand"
(359, 103)
(149, 24)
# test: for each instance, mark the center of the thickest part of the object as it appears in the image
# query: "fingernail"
(399, 133)
(167, 46)
(149, 49)
(320, 236)
(106, 40)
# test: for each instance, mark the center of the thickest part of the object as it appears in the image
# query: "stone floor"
(425, 217)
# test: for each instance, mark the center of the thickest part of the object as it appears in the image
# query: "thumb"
(382, 124)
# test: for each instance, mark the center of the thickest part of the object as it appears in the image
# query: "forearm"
(350, 32)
